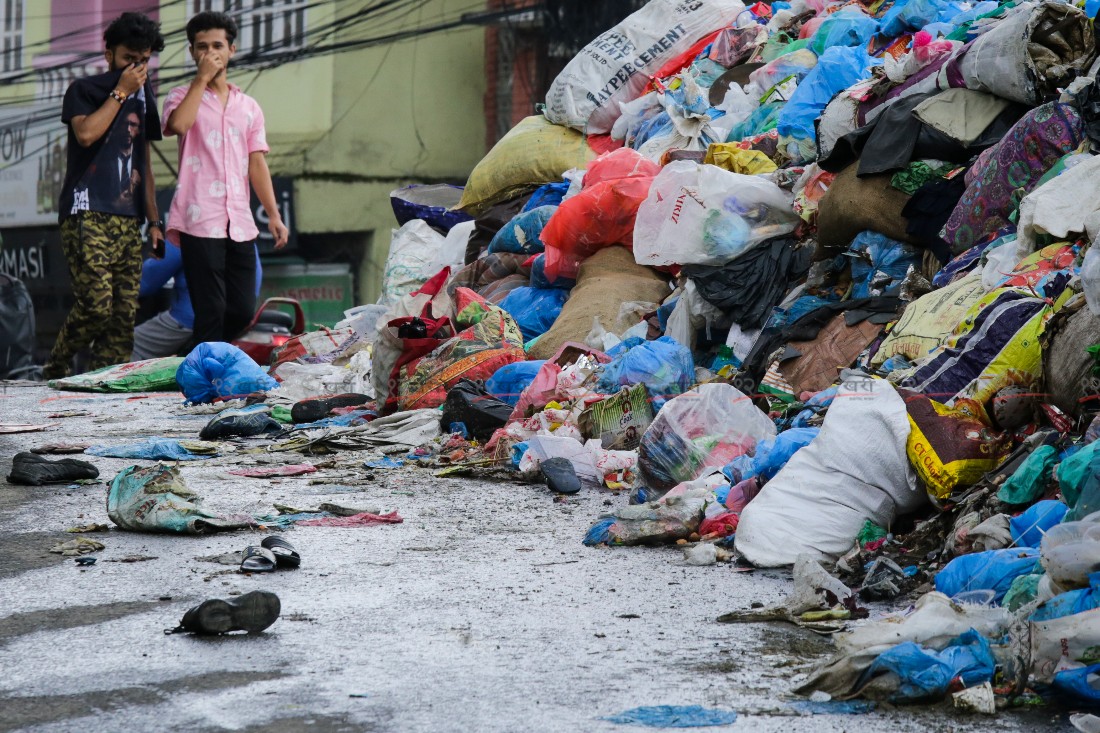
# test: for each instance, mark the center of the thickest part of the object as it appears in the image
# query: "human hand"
(279, 232)
(210, 65)
(132, 79)
(156, 238)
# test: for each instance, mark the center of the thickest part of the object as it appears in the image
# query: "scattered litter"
(674, 716)
(78, 546)
(297, 469)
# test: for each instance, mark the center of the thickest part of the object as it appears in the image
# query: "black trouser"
(221, 276)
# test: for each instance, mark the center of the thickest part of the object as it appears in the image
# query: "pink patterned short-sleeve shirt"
(212, 193)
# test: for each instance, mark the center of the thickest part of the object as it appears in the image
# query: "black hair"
(208, 20)
(136, 31)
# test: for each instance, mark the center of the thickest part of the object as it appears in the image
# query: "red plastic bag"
(601, 215)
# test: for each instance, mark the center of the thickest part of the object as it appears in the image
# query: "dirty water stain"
(55, 619)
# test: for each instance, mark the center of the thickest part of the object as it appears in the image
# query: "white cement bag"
(617, 64)
(705, 215)
(414, 250)
(856, 469)
(1068, 642)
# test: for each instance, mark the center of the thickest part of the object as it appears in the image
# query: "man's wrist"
(118, 96)
(156, 224)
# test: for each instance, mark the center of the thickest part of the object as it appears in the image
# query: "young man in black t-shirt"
(107, 194)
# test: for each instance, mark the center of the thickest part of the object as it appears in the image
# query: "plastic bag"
(473, 406)
(993, 570)
(855, 470)
(16, 330)
(911, 15)
(838, 68)
(1070, 552)
(1071, 602)
(539, 279)
(158, 449)
(155, 499)
(434, 203)
(508, 382)
(599, 216)
(663, 366)
(1090, 279)
(1079, 686)
(549, 194)
(534, 309)
(879, 264)
(151, 375)
(796, 65)
(411, 260)
(657, 522)
(521, 234)
(534, 152)
(617, 64)
(252, 420)
(703, 215)
(216, 370)
(705, 427)
(1030, 480)
(950, 448)
(926, 675)
(770, 455)
(1029, 527)
(846, 27)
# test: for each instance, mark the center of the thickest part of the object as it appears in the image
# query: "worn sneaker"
(318, 408)
(253, 612)
(30, 469)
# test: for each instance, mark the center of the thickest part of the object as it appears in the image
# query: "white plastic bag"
(856, 469)
(1090, 279)
(414, 250)
(618, 63)
(1070, 551)
(703, 215)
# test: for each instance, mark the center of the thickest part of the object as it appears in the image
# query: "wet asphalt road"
(481, 612)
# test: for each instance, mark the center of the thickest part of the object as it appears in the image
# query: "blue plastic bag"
(762, 119)
(508, 382)
(991, 570)
(664, 366)
(215, 369)
(534, 309)
(1029, 527)
(1079, 686)
(550, 194)
(837, 69)
(1070, 603)
(914, 15)
(674, 716)
(848, 27)
(539, 279)
(879, 264)
(154, 449)
(521, 235)
(926, 675)
(770, 456)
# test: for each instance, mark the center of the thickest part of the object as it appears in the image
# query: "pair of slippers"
(273, 552)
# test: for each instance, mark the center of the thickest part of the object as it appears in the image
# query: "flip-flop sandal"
(257, 560)
(285, 554)
(252, 612)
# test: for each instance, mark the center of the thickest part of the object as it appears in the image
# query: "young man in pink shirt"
(222, 145)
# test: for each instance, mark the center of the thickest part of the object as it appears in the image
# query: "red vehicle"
(271, 327)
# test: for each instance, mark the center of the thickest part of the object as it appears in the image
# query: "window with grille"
(11, 38)
(266, 26)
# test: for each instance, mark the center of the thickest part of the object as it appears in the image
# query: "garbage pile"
(809, 285)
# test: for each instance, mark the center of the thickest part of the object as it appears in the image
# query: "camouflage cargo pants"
(104, 255)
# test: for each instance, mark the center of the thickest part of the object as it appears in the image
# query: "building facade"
(360, 97)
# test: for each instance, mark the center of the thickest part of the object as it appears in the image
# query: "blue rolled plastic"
(218, 370)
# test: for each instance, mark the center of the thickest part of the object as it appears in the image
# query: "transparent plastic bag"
(1071, 551)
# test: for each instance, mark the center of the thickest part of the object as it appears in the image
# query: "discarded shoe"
(243, 423)
(285, 554)
(317, 408)
(560, 475)
(34, 470)
(252, 612)
(257, 560)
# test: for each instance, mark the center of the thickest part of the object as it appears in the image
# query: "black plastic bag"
(481, 413)
(16, 330)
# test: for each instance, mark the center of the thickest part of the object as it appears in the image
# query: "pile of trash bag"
(804, 284)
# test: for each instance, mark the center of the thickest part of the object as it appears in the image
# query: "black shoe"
(318, 408)
(560, 475)
(237, 423)
(34, 470)
(252, 612)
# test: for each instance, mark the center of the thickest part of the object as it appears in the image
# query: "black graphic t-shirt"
(109, 175)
